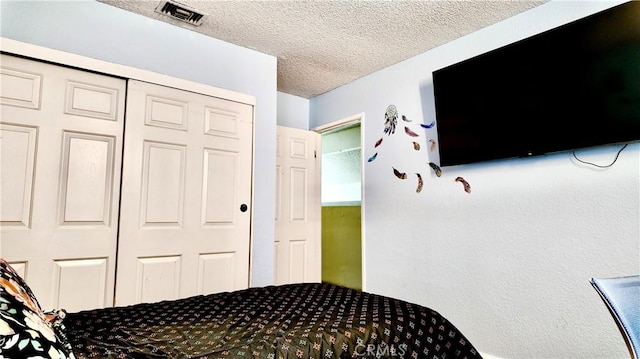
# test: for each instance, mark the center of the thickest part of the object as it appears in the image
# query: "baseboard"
(489, 356)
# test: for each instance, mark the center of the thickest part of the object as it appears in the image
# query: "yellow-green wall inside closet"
(341, 246)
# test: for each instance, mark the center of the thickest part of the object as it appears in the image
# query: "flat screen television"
(572, 87)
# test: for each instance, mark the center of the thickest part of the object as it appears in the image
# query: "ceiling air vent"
(180, 12)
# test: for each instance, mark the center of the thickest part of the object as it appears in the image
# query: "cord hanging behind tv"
(572, 87)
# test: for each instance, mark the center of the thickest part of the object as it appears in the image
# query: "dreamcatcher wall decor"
(390, 125)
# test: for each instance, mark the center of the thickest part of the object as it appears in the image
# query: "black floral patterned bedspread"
(290, 321)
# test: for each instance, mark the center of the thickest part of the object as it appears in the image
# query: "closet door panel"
(61, 151)
(17, 165)
(187, 173)
(157, 278)
(20, 88)
(163, 185)
(92, 273)
(219, 266)
(87, 179)
(219, 187)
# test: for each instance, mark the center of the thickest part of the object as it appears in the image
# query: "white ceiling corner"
(321, 45)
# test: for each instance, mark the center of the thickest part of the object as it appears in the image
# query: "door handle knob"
(243, 207)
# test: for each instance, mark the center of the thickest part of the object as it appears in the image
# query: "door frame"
(67, 59)
(346, 122)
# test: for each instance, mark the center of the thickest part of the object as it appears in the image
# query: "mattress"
(312, 320)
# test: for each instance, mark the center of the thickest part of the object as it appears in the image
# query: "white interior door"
(298, 207)
(186, 195)
(60, 158)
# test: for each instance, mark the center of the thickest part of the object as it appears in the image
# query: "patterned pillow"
(25, 330)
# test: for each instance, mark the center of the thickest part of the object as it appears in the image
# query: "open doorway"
(342, 203)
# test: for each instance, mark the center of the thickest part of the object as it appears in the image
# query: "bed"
(310, 320)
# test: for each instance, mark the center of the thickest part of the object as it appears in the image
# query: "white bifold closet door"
(61, 134)
(182, 224)
(186, 191)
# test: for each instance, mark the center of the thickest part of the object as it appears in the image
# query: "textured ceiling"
(321, 45)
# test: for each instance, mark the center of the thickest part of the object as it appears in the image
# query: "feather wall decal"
(416, 146)
(378, 142)
(465, 184)
(429, 125)
(408, 131)
(432, 145)
(399, 174)
(436, 169)
(420, 183)
(404, 118)
(373, 157)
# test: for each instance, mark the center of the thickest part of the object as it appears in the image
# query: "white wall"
(509, 263)
(342, 167)
(293, 111)
(107, 33)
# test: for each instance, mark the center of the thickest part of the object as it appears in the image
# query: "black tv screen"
(572, 87)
